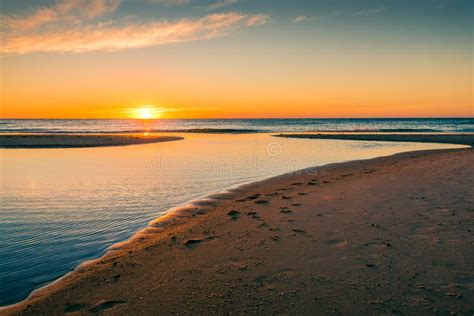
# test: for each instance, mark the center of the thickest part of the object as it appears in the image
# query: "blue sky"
(360, 57)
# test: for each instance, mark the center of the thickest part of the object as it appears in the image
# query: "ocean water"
(61, 207)
(239, 125)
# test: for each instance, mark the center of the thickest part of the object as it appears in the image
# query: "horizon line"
(257, 118)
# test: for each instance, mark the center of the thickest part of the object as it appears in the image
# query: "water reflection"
(63, 206)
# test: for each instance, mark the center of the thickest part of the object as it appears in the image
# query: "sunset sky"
(236, 58)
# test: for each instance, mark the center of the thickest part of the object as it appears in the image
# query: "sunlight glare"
(146, 113)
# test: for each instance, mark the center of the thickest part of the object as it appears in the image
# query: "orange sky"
(269, 67)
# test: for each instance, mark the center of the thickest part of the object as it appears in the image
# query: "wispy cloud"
(338, 13)
(109, 37)
(61, 11)
(156, 110)
(38, 33)
(306, 18)
(220, 4)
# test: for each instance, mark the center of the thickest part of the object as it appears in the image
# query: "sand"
(463, 139)
(77, 140)
(386, 235)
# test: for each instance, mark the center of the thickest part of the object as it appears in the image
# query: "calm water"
(61, 207)
(247, 125)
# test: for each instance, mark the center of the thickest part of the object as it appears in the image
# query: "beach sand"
(387, 235)
(77, 140)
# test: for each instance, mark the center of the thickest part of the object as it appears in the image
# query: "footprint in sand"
(174, 239)
(253, 214)
(115, 278)
(272, 194)
(102, 306)
(336, 243)
(192, 243)
(234, 215)
(72, 308)
(250, 198)
(285, 210)
(299, 231)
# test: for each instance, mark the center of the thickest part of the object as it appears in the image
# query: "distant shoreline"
(82, 140)
(446, 138)
(78, 140)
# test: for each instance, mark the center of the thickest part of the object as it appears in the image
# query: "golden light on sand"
(146, 113)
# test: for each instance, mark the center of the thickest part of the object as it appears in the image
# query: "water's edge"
(180, 213)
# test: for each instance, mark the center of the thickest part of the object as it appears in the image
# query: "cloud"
(61, 11)
(88, 8)
(305, 18)
(220, 4)
(156, 110)
(301, 18)
(339, 13)
(110, 36)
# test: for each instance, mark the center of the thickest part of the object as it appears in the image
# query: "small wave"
(465, 122)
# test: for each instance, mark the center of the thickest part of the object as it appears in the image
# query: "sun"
(146, 113)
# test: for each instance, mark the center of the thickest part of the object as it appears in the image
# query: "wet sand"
(463, 139)
(77, 140)
(387, 235)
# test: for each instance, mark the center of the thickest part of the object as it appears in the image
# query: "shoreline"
(81, 140)
(446, 138)
(44, 141)
(181, 218)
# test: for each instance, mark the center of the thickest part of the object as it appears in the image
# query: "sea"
(452, 125)
(62, 207)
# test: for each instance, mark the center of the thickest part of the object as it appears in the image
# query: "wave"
(237, 126)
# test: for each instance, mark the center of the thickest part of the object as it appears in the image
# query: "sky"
(236, 58)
